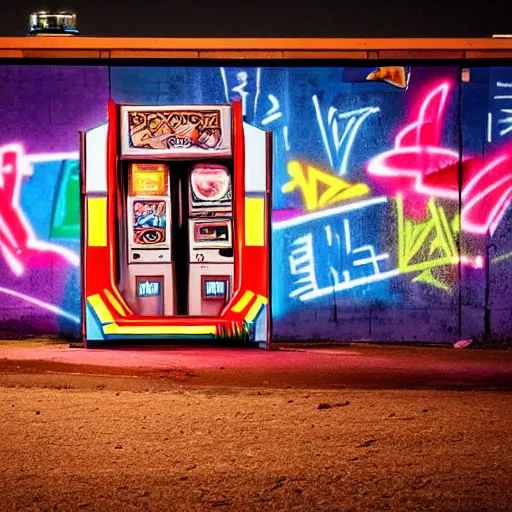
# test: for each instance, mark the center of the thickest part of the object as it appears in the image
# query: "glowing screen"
(149, 222)
(211, 232)
(214, 289)
(210, 183)
(148, 288)
(149, 180)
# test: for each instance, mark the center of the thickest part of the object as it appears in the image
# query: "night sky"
(272, 18)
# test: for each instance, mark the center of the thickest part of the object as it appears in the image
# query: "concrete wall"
(391, 218)
(43, 108)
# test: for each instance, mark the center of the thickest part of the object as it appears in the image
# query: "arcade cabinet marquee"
(176, 213)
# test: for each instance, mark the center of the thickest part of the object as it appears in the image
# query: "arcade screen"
(212, 232)
(149, 222)
(215, 288)
(210, 186)
(149, 180)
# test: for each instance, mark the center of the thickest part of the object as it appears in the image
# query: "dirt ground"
(79, 440)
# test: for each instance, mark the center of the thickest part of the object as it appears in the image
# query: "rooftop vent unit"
(45, 23)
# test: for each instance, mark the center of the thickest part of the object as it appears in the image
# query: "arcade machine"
(210, 239)
(176, 206)
(150, 286)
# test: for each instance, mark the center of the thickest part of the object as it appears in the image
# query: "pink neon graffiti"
(476, 262)
(19, 245)
(421, 168)
(486, 195)
(40, 303)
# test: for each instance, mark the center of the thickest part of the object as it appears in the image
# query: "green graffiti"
(503, 257)
(66, 213)
(423, 246)
(428, 278)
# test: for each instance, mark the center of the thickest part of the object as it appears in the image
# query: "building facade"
(375, 206)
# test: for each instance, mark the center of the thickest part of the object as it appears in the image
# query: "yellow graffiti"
(319, 188)
(394, 75)
(423, 246)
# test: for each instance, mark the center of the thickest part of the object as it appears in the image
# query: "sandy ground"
(74, 441)
(350, 366)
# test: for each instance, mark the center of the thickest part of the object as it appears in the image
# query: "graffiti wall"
(393, 221)
(391, 192)
(43, 108)
(485, 195)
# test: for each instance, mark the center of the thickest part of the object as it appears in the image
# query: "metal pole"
(487, 310)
